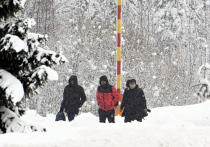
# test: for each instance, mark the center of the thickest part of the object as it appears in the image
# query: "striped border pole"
(119, 6)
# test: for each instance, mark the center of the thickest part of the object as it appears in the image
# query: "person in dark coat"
(107, 99)
(73, 98)
(134, 102)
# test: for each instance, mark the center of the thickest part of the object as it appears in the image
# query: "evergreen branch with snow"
(25, 65)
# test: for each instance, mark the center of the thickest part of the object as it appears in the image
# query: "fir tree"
(25, 65)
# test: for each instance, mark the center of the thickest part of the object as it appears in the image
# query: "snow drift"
(180, 126)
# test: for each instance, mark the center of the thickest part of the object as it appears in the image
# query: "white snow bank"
(13, 42)
(186, 126)
(15, 124)
(12, 85)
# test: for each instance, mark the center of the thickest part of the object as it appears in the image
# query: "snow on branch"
(35, 39)
(20, 3)
(19, 27)
(43, 71)
(13, 86)
(12, 42)
(9, 8)
(43, 54)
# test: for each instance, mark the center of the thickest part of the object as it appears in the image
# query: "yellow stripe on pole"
(118, 26)
(119, 7)
(119, 2)
(119, 54)
(118, 81)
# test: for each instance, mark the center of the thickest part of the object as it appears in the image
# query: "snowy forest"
(45, 45)
(165, 46)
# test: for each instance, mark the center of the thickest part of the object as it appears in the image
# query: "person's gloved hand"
(148, 110)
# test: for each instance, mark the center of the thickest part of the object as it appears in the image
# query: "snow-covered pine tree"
(25, 65)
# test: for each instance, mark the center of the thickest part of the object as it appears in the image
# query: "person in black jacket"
(134, 102)
(73, 98)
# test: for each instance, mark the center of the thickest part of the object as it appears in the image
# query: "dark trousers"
(103, 115)
(129, 118)
(71, 116)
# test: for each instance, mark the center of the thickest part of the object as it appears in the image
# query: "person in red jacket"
(107, 99)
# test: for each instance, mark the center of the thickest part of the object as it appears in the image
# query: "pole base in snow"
(118, 112)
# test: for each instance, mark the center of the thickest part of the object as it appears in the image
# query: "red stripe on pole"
(118, 40)
(118, 67)
(119, 12)
(118, 90)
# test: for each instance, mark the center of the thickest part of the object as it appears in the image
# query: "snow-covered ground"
(186, 126)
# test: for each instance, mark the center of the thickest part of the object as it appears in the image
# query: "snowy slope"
(186, 126)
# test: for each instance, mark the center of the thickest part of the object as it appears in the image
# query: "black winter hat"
(132, 81)
(103, 78)
(73, 78)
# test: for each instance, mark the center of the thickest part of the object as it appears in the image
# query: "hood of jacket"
(73, 78)
(104, 78)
